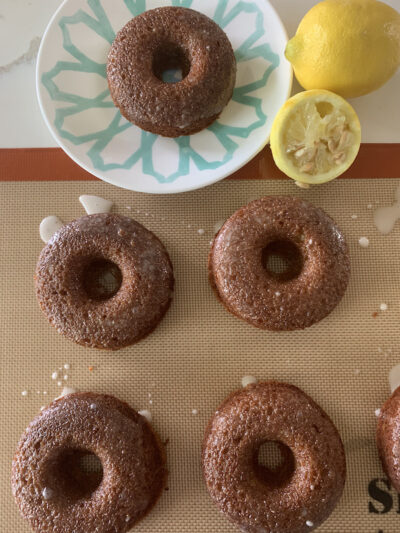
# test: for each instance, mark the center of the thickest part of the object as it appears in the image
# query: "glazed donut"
(388, 438)
(305, 238)
(170, 38)
(303, 492)
(76, 306)
(55, 495)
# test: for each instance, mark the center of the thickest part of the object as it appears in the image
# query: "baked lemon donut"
(77, 307)
(305, 238)
(171, 38)
(303, 492)
(56, 496)
(388, 438)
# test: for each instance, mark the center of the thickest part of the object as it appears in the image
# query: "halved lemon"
(315, 136)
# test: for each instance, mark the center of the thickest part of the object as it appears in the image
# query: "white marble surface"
(23, 22)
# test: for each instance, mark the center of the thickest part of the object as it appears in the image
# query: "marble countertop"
(22, 23)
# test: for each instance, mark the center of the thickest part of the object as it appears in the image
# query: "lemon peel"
(350, 47)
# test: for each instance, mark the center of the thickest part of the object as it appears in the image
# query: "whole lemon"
(350, 47)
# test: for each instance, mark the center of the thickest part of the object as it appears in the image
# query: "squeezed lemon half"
(315, 137)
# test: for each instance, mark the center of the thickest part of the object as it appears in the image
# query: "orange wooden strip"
(377, 160)
(39, 164)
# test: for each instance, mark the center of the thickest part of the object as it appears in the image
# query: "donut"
(73, 269)
(301, 493)
(52, 490)
(311, 277)
(171, 38)
(388, 438)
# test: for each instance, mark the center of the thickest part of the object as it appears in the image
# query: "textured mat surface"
(199, 353)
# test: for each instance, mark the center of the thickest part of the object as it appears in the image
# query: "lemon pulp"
(316, 143)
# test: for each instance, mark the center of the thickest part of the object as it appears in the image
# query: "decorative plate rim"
(225, 172)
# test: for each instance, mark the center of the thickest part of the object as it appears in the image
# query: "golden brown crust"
(132, 458)
(243, 284)
(139, 305)
(171, 36)
(388, 438)
(302, 494)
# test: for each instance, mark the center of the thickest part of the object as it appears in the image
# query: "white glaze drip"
(66, 391)
(386, 217)
(394, 378)
(49, 226)
(248, 380)
(218, 225)
(146, 414)
(47, 493)
(95, 204)
(363, 242)
(302, 185)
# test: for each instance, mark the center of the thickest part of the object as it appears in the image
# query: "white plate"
(77, 107)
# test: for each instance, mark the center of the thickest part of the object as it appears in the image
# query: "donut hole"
(171, 63)
(75, 474)
(274, 463)
(282, 260)
(101, 279)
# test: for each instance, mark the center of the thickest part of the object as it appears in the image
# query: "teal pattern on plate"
(100, 24)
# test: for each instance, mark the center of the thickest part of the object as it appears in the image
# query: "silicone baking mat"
(199, 353)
